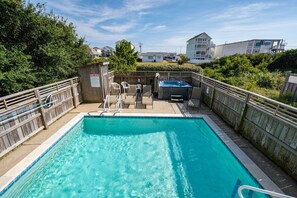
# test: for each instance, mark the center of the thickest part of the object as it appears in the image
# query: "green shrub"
(168, 67)
(180, 62)
(270, 80)
(284, 61)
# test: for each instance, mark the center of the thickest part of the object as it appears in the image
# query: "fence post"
(73, 92)
(212, 95)
(41, 109)
(5, 104)
(243, 113)
(168, 75)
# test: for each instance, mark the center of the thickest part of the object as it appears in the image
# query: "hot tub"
(173, 87)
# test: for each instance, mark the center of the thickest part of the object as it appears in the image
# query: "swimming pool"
(135, 157)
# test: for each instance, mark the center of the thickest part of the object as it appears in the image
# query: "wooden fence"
(290, 86)
(25, 113)
(269, 125)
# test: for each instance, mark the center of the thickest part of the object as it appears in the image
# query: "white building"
(200, 48)
(98, 50)
(107, 51)
(254, 46)
(94, 53)
(158, 56)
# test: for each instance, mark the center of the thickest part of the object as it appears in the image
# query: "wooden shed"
(94, 81)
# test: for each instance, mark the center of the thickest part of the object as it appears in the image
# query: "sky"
(166, 25)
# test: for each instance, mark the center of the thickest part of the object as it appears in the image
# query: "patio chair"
(147, 96)
(195, 100)
(129, 98)
(125, 86)
(115, 89)
(113, 96)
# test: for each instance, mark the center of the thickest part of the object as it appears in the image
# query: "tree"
(183, 59)
(48, 45)
(124, 58)
(15, 71)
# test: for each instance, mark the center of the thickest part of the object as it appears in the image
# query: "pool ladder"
(266, 192)
(119, 104)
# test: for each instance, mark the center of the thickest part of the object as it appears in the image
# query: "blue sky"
(166, 25)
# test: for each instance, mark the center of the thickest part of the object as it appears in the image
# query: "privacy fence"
(25, 113)
(290, 86)
(269, 125)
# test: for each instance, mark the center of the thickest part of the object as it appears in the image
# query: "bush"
(270, 80)
(168, 67)
(284, 61)
(180, 62)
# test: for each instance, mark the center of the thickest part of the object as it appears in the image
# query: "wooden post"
(212, 95)
(243, 113)
(5, 104)
(73, 92)
(41, 109)
(276, 109)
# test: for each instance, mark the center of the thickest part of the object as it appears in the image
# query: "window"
(257, 44)
(150, 57)
(158, 57)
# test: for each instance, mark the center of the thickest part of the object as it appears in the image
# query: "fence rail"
(25, 113)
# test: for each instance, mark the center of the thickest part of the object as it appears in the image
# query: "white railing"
(119, 103)
(266, 192)
(106, 104)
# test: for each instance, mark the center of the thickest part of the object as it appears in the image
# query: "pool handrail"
(267, 192)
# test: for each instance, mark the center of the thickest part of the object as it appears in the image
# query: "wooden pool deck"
(286, 183)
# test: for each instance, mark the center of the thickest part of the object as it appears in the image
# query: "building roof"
(199, 36)
(159, 53)
(108, 48)
(250, 40)
(93, 51)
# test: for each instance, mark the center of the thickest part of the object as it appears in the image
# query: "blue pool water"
(135, 157)
(174, 83)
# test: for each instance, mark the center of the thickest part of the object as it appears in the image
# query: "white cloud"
(87, 19)
(159, 27)
(140, 5)
(118, 28)
(146, 26)
(243, 11)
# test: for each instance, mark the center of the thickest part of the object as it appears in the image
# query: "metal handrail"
(119, 103)
(267, 192)
(106, 104)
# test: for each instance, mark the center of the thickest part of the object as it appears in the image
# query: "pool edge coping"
(13, 174)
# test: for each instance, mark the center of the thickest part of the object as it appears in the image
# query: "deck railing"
(25, 113)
